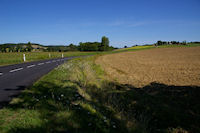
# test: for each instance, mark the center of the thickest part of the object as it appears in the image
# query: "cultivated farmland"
(170, 66)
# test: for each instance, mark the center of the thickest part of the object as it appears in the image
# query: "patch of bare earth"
(170, 66)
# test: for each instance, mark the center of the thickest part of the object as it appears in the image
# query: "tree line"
(20, 47)
(86, 46)
(170, 43)
(96, 46)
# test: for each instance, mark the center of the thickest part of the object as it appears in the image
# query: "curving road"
(15, 78)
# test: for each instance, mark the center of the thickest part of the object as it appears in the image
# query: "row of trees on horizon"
(171, 43)
(86, 46)
(29, 47)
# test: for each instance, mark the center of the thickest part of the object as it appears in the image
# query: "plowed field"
(170, 66)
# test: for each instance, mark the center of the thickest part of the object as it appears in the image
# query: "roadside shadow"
(63, 109)
(156, 107)
(21, 87)
(113, 108)
(10, 94)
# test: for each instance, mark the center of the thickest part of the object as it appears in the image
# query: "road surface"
(15, 78)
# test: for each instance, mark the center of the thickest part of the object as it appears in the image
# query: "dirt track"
(170, 66)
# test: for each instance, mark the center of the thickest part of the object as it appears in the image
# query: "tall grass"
(59, 102)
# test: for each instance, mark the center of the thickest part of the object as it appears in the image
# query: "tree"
(72, 47)
(29, 47)
(104, 44)
(159, 43)
(184, 42)
(7, 50)
(3, 48)
(89, 46)
(18, 48)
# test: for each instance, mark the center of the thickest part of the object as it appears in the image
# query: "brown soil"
(170, 66)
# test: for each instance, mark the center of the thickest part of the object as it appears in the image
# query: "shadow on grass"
(158, 107)
(12, 94)
(112, 108)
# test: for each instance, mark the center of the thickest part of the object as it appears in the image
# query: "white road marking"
(1, 74)
(18, 69)
(48, 62)
(30, 66)
(53, 61)
(40, 64)
(58, 60)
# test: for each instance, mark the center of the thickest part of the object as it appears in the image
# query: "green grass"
(59, 102)
(76, 97)
(134, 48)
(15, 58)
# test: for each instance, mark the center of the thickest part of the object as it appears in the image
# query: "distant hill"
(21, 47)
(38, 46)
(34, 47)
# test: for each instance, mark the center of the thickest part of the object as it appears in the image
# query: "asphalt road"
(15, 78)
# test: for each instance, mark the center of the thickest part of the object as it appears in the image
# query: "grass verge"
(15, 58)
(77, 97)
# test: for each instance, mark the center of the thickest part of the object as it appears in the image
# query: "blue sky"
(125, 22)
